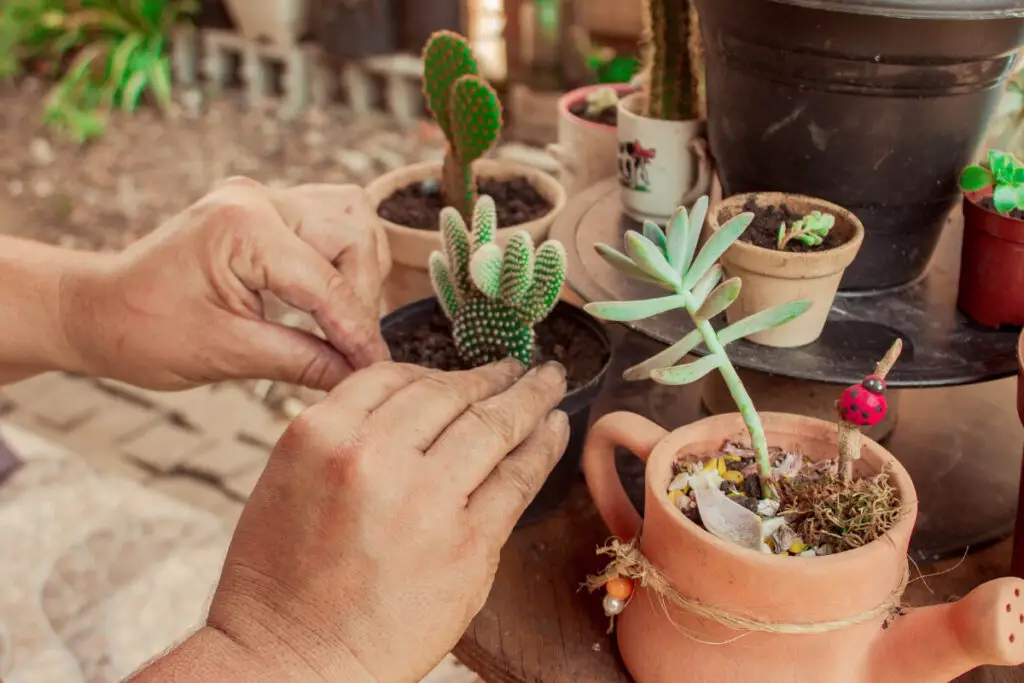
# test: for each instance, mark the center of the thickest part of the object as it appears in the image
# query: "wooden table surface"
(538, 627)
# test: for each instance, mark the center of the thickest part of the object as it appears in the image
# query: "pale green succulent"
(670, 260)
(812, 230)
(493, 295)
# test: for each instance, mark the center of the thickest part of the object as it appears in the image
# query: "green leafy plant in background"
(670, 260)
(494, 296)
(1005, 173)
(812, 230)
(118, 51)
(466, 108)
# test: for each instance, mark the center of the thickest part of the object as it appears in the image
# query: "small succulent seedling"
(600, 99)
(494, 296)
(812, 230)
(667, 258)
(1005, 173)
(466, 108)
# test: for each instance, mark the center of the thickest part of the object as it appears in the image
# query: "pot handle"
(627, 430)
(562, 156)
(705, 173)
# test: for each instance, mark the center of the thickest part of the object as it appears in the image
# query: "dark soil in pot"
(764, 229)
(606, 117)
(418, 205)
(420, 333)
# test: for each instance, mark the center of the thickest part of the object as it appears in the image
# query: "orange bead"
(619, 588)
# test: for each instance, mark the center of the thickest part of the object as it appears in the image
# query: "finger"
(339, 222)
(490, 429)
(351, 402)
(284, 354)
(500, 501)
(275, 259)
(417, 414)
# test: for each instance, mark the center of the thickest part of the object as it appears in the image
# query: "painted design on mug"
(634, 163)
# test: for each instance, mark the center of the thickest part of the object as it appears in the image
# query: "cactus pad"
(494, 296)
(446, 57)
(475, 117)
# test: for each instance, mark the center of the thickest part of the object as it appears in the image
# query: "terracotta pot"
(662, 164)
(280, 22)
(411, 248)
(772, 277)
(586, 152)
(991, 265)
(663, 644)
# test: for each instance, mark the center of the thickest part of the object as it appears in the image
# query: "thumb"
(284, 354)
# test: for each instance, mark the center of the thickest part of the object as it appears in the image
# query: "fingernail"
(557, 419)
(554, 369)
(512, 366)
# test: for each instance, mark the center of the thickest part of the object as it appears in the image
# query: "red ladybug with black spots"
(864, 404)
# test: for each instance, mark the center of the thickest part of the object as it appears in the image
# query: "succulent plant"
(466, 108)
(1005, 173)
(670, 260)
(812, 230)
(494, 296)
(671, 52)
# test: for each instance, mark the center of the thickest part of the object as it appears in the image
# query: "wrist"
(208, 654)
(85, 317)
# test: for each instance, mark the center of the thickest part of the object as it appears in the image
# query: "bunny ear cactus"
(670, 259)
(465, 107)
(494, 296)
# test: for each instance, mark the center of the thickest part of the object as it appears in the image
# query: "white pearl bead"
(613, 606)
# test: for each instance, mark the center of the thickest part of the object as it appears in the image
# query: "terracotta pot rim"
(842, 255)
(624, 110)
(531, 172)
(573, 96)
(900, 479)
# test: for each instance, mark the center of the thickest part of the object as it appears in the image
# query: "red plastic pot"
(1017, 562)
(991, 266)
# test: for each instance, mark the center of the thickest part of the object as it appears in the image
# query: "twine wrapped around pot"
(628, 562)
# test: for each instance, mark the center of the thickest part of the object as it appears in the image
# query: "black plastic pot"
(576, 404)
(875, 105)
(419, 19)
(349, 29)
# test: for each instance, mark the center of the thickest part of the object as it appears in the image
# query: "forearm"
(211, 655)
(38, 284)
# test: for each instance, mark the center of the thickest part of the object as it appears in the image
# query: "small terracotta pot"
(662, 643)
(662, 164)
(771, 277)
(281, 22)
(586, 152)
(411, 248)
(991, 265)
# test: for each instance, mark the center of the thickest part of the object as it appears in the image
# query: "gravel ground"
(148, 166)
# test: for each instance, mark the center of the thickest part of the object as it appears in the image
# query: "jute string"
(629, 562)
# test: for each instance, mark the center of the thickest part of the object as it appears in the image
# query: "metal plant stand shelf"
(958, 432)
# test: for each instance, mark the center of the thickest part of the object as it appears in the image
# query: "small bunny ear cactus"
(494, 296)
(670, 260)
(465, 107)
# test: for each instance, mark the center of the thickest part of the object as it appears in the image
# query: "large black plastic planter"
(875, 105)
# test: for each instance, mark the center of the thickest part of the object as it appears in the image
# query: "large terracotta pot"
(991, 290)
(771, 277)
(665, 644)
(281, 22)
(662, 164)
(586, 151)
(411, 248)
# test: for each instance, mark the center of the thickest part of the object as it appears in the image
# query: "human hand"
(182, 306)
(373, 536)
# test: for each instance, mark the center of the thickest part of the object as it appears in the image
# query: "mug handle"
(705, 174)
(562, 156)
(627, 430)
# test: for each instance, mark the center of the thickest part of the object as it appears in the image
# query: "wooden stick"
(849, 434)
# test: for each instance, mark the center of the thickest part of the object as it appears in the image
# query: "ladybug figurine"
(864, 404)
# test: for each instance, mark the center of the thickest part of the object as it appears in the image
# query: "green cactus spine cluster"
(494, 296)
(672, 37)
(466, 108)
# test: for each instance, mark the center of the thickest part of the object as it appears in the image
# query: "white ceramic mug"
(661, 164)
